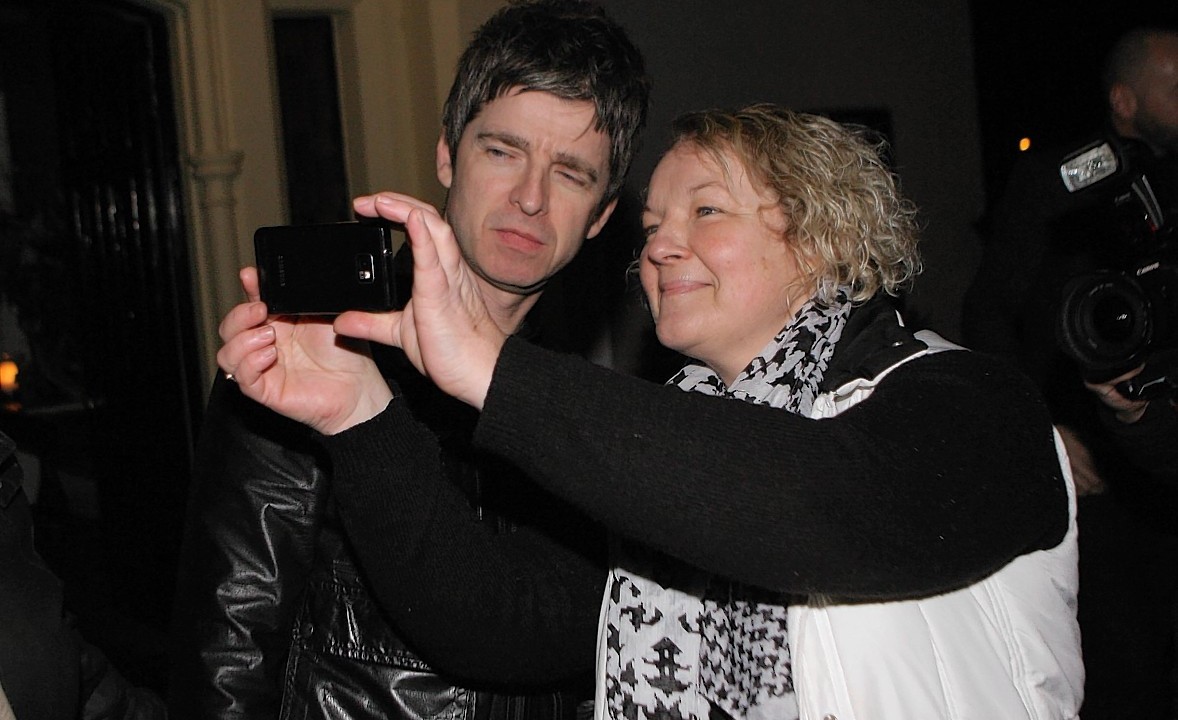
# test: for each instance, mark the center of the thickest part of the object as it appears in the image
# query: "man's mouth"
(519, 240)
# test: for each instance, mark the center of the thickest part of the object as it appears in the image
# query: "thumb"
(384, 328)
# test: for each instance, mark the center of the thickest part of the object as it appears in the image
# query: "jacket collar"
(873, 340)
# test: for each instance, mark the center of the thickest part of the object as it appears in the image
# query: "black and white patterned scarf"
(680, 641)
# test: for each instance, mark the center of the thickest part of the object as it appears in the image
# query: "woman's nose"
(666, 244)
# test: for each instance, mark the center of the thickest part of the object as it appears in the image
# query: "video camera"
(1125, 315)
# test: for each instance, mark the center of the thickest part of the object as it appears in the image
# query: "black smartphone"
(327, 268)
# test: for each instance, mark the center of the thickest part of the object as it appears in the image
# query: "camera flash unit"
(1088, 166)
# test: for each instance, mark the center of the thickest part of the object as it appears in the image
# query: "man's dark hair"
(1129, 54)
(569, 48)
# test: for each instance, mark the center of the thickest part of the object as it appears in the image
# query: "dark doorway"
(96, 309)
(312, 131)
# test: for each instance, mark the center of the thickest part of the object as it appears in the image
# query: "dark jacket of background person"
(47, 671)
(275, 619)
(1151, 443)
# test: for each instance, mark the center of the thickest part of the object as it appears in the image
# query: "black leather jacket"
(273, 618)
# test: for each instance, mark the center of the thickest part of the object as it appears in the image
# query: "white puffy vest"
(1004, 648)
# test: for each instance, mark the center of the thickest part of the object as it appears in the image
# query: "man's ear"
(443, 162)
(602, 219)
(1123, 102)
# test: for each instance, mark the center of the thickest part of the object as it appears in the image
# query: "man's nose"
(531, 192)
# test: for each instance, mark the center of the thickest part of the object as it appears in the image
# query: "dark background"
(1037, 67)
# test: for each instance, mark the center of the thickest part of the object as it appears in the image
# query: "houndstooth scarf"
(680, 641)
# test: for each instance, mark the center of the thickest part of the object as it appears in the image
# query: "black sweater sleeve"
(941, 477)
(946, 473)
(479, 603)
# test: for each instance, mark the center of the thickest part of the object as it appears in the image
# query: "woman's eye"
(706, 210)
(649, 230)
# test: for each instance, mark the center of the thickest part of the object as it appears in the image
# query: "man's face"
(1156, 119)
(529, 174)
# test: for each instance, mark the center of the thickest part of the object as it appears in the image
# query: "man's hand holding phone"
(299, 366)
(321, 372)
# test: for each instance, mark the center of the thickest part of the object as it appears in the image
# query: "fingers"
(438, 264)
(248, 354)
(1111, 396)
(248, 347)
(241, 318)
(443, 245)
(1111, 384)
(391, 206)
(425, 225)
(425, 250)
(249, 283)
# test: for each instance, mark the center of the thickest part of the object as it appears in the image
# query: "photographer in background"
(274, 616)
(1041, 237)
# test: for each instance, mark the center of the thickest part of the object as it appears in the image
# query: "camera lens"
(1105, 322)
(1114, 321)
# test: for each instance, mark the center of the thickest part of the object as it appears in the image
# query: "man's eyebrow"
(514, 141)
(573, 162)
(578, 165)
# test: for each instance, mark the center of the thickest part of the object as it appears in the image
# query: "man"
(274, 617)
(1042, 237)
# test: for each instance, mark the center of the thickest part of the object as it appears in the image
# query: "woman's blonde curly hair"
(847, 219)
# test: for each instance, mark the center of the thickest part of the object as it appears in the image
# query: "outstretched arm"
(946, 473)
(515, 605)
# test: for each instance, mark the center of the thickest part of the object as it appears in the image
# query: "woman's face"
(717, 268)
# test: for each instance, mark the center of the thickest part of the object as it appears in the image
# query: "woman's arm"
(513, 606)
(943, 475)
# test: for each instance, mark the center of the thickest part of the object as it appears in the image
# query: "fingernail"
(384, 199)
(263, 336)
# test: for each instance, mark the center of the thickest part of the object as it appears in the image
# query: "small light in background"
(8, 373)
(1024, 144)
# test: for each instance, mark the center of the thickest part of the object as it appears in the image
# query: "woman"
(880, 528)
